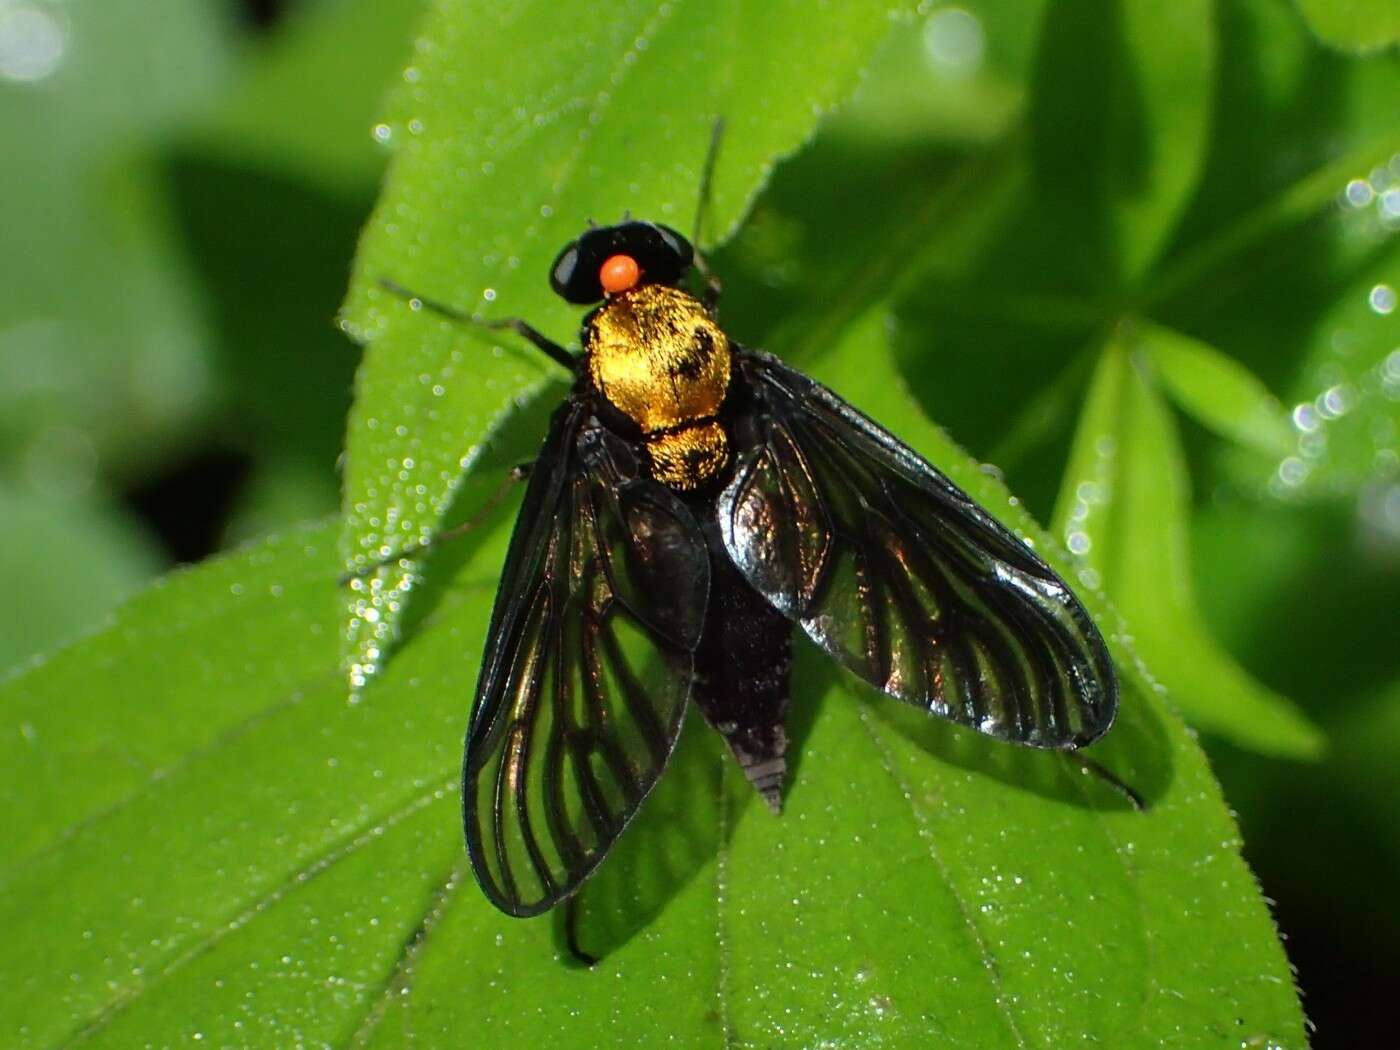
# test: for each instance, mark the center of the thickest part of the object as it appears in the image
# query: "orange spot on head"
(620, 273)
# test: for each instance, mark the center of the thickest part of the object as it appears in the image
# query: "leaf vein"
(453, 598)
(398, 982)
(1130, 876)
(926, 833)
(317, 867)
(722, 990)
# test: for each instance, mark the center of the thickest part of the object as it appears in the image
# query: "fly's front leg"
(521, 328)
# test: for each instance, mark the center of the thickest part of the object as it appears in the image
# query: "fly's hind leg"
(1111, 779)
(571, 941)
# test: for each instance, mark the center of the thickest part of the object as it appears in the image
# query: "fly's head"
(652, 349)
(609, 261)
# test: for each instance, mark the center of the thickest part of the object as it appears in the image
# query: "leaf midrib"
(399, 979)
(324, 862)
(925, 833)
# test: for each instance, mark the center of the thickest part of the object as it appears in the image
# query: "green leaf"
(283, 116)
(1353, 25)
(1120, 123)
(99, 324)
(1283, 583)
(1123, 509)
(278, 865)
(1217, 391)
(72, 559)
(516, 127)
(960, 78)
(991, 342)
(1255, 231)
(1347, 393)
(1262, 246)
(1305, 595)
(187, 818)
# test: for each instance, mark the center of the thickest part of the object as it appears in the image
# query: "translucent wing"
(587, 668)
(899, 575)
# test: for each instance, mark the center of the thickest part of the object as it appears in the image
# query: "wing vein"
(924, 594)
(593, 540)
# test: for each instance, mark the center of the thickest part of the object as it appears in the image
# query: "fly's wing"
(899, 575)
(587, 668)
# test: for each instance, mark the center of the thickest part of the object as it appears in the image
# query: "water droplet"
(32, 42)
(954, 41)
(1390, 204)
(1382, 299)
(1335, 401)
(1359, 193)
(1292, 471)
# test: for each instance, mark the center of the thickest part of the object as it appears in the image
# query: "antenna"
(702, 206)
(707, 174)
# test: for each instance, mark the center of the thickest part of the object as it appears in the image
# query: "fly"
(696, 500)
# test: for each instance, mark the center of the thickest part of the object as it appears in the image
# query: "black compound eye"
(661, 253)
(563, 276)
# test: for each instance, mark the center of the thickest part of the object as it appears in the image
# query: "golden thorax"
(657, 355)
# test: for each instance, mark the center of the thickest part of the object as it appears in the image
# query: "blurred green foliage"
(1142, 258)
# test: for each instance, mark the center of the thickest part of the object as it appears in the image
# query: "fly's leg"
(542, 342)
(513, 477)
(1110, 778)
(571, 934)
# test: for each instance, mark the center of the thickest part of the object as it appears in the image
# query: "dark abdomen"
(742, 666)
